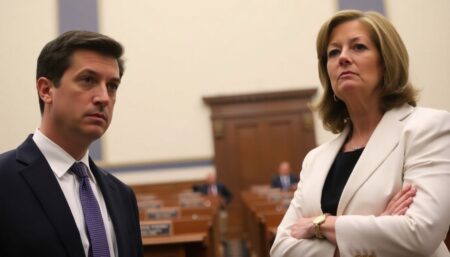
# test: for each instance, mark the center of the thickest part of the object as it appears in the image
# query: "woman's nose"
(344, 58)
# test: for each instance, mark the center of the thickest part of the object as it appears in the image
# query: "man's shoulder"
(8, 154)
(6, 158)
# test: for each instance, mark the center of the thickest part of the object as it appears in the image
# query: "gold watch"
(317, 222)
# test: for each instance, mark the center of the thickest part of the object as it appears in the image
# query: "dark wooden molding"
(260, 97)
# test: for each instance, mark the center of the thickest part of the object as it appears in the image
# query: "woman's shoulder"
(427, 117)
(426, 125)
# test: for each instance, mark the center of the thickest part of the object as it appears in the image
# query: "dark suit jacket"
(35, 219)
(222, 190)
(276, 181)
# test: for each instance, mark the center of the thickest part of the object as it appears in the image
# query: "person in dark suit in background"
(54, 200)
(212, 187)
(285, 180)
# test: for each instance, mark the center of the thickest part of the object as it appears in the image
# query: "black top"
(337, 178)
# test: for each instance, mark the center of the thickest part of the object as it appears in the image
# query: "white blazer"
(409, 146)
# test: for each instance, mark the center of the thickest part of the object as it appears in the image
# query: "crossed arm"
(399, 204)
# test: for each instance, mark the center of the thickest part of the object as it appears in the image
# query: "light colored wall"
(423, 26)
(25, 26)
(179, 51)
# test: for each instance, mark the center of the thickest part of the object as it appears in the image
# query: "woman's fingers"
(397, 196)
(405, 200)
(401, 201)
(402, 207)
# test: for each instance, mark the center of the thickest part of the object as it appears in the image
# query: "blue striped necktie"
(92, 215)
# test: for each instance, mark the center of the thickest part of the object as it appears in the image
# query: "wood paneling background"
(253, 133)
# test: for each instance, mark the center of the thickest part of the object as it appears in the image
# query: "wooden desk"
(175, 239)
(183, 245)
(263, 215)
(194, 230)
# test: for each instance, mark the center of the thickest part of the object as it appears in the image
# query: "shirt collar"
(58, 159)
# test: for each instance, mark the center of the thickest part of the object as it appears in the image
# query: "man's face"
(82, 105)
(284, 169)
(211, 179)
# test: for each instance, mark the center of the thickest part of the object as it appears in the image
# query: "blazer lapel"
(320, 167)
(382, 142)
(43, 183)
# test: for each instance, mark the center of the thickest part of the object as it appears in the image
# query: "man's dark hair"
(55, 57)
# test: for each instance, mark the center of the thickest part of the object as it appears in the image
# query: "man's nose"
(102, 95)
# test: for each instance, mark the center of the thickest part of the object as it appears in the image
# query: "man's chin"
(95, 133)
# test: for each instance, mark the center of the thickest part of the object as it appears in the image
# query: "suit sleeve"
(421, 230)
(227, 195)
(137, 224)
(274, 182)
(287, 246)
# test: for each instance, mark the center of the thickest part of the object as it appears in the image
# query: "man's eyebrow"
(94, 73)
(115, 80)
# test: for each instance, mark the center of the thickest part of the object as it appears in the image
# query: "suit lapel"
(320, 168)
(43, 183)
(382, 142)
(112, 199)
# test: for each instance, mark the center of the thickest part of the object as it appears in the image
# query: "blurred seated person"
(212, 187)
(285, 180)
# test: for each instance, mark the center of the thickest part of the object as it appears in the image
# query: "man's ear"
(45, 88)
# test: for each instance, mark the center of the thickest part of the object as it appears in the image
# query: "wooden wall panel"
(252, 134)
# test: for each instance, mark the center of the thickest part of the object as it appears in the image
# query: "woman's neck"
(363, 123)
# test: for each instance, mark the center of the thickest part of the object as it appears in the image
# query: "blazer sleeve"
(426, 142)
(287, 246)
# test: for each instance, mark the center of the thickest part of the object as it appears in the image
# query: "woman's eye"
(333, 53)
(360, 47)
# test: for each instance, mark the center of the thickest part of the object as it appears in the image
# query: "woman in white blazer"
(382, 187)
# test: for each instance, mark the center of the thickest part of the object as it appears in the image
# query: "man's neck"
(76, 148)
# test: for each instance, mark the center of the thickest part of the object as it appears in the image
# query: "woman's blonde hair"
(395, 88)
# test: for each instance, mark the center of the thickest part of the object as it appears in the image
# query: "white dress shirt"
(60, 162)
(213, 189)
(285, 182)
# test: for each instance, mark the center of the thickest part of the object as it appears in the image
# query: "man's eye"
(113, 86)
(88, 80)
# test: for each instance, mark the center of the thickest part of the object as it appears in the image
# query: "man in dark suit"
(212, 187)
(285, 180)
(55, 201)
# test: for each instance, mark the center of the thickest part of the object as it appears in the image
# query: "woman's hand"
(303, 229)
(401, 201)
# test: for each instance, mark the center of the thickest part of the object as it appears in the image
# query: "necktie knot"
(80, 169)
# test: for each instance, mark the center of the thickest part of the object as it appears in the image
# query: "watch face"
(319, 219)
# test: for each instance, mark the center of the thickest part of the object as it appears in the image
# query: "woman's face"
(354, 64)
